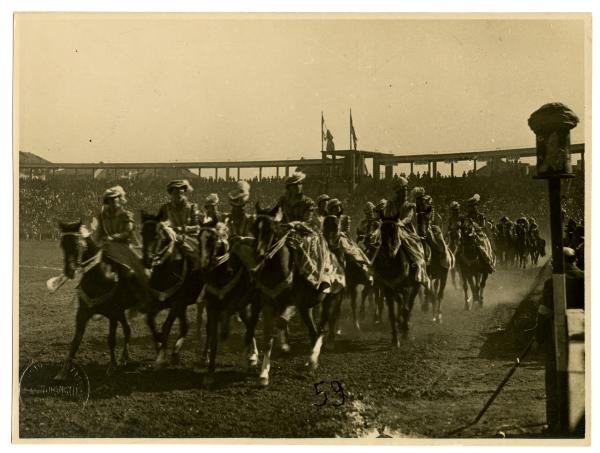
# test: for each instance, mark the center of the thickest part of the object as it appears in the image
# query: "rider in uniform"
(211, 208)
(239, 223)
(321, 211)
(113, 235)
(453, 225)
(334, 207)
(483, 242)
(400, 210)
(183, 216)
(367, 226)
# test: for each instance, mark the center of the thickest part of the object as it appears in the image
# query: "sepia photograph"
(357, 227)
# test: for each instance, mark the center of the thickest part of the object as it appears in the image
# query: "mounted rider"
(345, 243)
(314, 260)
(401, 211)
(183, 217)
(321, 211)
(367, 227)
(430, 234)
(483, 242)
(452, 229)
(239, 223)
(113, 234)
(211, 208)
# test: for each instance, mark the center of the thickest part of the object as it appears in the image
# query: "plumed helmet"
(295, 178)
(455, 205)
(178, 184)
(400, 184)
(474, 200)
(113, 192)
(240, 195)
(211, 200)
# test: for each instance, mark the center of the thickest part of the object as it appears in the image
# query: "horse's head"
(212, 242)
(265, 228)
(73, 245)
(154, 238)
(390, 240)
(331, 228)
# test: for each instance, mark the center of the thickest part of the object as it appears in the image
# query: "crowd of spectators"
(45, 202)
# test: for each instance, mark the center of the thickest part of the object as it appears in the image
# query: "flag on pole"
(353, 132)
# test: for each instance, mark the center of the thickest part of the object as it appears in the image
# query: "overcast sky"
(124, 88)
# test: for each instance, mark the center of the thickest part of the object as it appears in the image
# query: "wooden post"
(435, 169)
(412, 168)
(277, 171)
(474, 166)
(259, 173)
(227, 173)
(216, 173)
(353, 170)
(238, 173)
(429, 169)
(452, 169)
(376, 169)
(560, 305)
(287, 171)
(389, 172)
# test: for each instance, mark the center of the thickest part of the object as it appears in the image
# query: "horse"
(472, 268)
(356, 280)
(283, 289)
(453, 238)
(521, 245)
(394, 273)
(373, 292)
(537, 248)
(101, 291)
(227, 290)
(174, 283)
(505, 244)
(440, 262)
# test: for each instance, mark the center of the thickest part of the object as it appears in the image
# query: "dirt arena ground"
(437, 381)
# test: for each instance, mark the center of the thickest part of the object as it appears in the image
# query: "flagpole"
(352, 158)
(322, 121)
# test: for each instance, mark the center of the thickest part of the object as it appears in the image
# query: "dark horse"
(227, 291)
(505, 243)
(101, 291)
(282, 290)
(357, 283)
(470, 263)
(440, 262)
(174, 284)
(521, 245)
(394, 274)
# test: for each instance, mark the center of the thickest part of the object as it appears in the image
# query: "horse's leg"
(249, 338)
(202, 353)
(440, 294)
(379, 307)
(112, 344)
(151, 322)
(124, 359)
(482, 284)
(331, 310)
(423, 294)
(161, 359)
(81, 318)
(465, 282)
(212, 333)
(309, 322)
(391, 306)
(353, 296)
(268, 346)
(432, 297)
(183, 331)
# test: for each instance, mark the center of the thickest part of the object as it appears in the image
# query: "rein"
(163, 295)
(221, 292)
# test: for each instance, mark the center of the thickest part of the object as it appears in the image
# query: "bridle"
(215, 260)
(160, 254)
(82, 266)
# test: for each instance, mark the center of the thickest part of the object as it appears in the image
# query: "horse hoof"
(357, 326)
(263, 381)
(285, 348)
(434, 319)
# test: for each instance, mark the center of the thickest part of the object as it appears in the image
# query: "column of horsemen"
(420, 229)
(402, 247)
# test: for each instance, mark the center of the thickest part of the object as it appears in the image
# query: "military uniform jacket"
(181, 216)
(114, 222)
(295, 209)
(239, 225)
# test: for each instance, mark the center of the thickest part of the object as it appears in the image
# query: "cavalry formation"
(297, 257)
